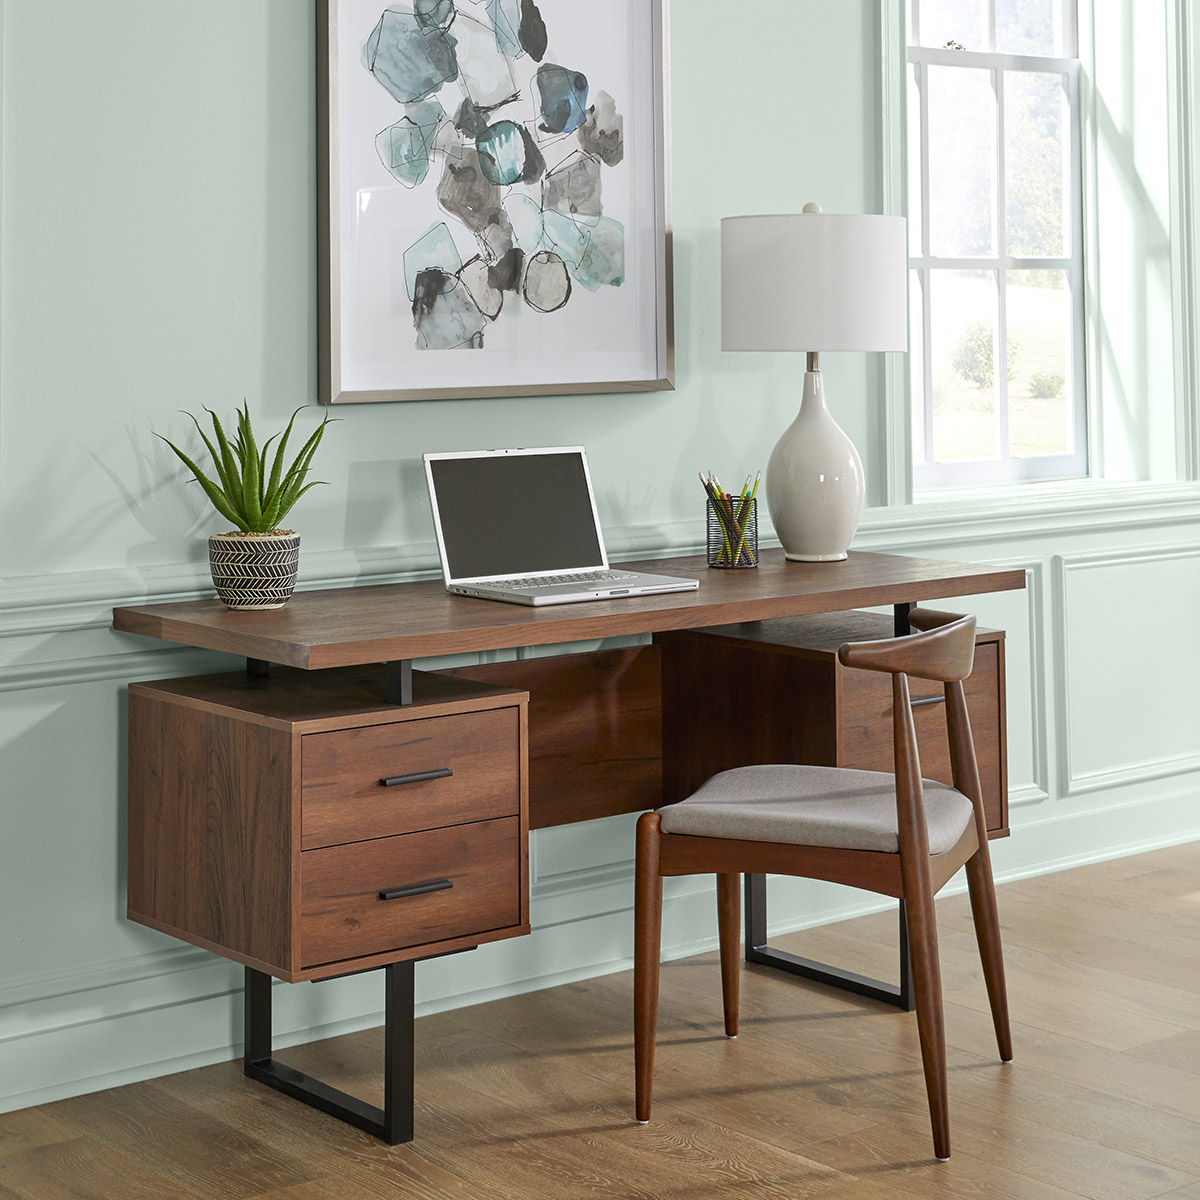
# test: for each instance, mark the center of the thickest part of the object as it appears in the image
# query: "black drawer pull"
(416, 777)
(926, 700)
(416, 889)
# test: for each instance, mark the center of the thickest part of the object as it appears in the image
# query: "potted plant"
(254, 565)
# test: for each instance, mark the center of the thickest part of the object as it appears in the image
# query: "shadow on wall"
(176, 517)
(740, 404)
(62, 854)
(388, 526)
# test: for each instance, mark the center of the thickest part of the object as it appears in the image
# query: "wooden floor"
(821, 1095)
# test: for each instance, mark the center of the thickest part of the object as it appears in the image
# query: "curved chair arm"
(945, 651)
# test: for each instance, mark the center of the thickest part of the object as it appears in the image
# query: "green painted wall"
(157, 253)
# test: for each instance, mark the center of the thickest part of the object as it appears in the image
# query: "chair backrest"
(944, 650)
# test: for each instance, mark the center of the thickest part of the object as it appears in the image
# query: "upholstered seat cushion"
(813, 806)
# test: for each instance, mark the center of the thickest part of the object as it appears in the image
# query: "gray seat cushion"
(813, 806)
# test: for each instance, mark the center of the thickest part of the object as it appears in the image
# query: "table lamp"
(814, 281)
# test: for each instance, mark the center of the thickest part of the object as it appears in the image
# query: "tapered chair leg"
(729, 919)
(987, 934)
(927, 990)
(647, 934)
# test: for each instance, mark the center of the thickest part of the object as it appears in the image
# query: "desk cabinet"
(298, 826)
(774, 691)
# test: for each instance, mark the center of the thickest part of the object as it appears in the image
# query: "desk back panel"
(595, 731)
(596, 721)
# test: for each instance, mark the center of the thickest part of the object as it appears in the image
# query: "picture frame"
(493, 199)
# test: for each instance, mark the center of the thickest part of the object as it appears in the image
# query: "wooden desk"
(349, 626)
(594, 749)
(595, 719)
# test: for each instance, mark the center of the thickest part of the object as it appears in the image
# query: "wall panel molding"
(1025, 795)
(130, 665)
(1072, 780)
(83, 599)
(1037, 789)
(1143, 771)
(56, 985)
(978, 517)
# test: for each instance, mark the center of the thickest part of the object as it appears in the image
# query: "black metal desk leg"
(398, 1054)
(757, 951)
(397, 681)
(394, 1122)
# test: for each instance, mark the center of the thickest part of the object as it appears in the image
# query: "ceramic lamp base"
(815, 486)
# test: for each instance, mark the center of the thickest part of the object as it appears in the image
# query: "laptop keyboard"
(585, 577)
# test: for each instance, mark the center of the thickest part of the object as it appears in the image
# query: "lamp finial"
(811, 207)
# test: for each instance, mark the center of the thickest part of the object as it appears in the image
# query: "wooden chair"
(892, 834)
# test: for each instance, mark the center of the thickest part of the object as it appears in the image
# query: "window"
(995, 221)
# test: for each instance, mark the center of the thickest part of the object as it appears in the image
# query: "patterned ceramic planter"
(254, 570)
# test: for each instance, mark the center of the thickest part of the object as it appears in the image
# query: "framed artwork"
(494, 198)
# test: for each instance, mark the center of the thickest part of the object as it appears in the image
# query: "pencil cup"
(733, 532)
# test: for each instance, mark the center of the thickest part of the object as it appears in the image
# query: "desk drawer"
(344, 801)
(343, 916)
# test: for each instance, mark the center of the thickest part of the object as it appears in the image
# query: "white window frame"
(927, 473)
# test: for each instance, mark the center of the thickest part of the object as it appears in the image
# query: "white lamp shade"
(814, 281)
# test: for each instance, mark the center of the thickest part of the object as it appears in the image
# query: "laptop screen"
(514, 513)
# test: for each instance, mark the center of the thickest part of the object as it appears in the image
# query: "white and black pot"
(254, 570)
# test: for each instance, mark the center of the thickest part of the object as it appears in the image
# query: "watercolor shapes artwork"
(495, 221)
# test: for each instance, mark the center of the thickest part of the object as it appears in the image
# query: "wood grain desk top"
(349, 626)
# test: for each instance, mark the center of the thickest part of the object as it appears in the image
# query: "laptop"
(521, 526)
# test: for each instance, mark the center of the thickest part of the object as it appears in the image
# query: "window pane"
(961, 21)
(914, 163)
(1041, 404)
(962, 161)
(962, 329)
(1029, 26)
(916, 366)
(1035, 118)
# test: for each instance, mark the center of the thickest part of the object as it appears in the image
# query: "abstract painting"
(494, 203)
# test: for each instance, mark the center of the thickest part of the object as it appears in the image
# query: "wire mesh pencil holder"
(732, 527)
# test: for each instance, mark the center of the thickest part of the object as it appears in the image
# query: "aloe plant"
(249, 495)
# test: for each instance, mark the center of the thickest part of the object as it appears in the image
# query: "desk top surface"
(348, 626)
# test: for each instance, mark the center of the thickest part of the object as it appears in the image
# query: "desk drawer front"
(343, 917)
(344, 801)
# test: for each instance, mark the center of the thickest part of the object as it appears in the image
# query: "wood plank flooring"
(821, 1095)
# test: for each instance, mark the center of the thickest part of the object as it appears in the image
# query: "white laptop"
(521, 526)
